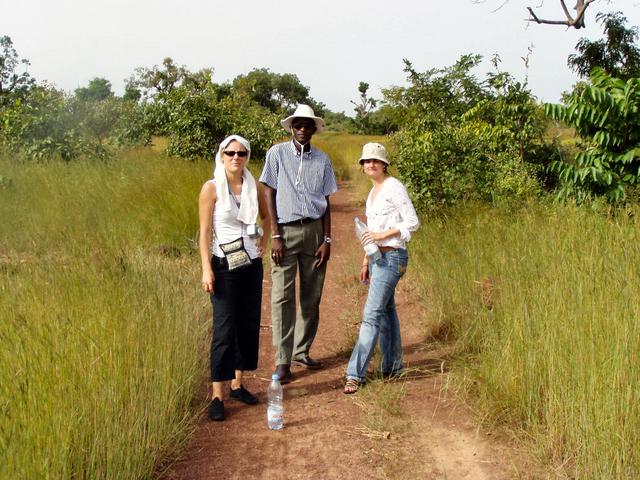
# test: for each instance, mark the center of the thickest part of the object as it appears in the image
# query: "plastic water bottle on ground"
(275, 405)
(371, 249)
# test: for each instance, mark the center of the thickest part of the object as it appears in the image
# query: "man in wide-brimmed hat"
(298, 180)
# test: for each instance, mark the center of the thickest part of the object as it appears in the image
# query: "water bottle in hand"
(275, 405)
(371, 249)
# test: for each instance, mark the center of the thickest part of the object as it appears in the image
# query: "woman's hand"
(364, 274)
(368, 237)
(208, 280)
(261, 245)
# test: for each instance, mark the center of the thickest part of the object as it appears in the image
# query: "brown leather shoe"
(284, 373)
(308, 362)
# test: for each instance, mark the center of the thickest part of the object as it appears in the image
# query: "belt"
(300, 221)
(387, 249)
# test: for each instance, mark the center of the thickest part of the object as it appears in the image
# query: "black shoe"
(308, 362)
(284, 373)
(216, 410)
(243, 395)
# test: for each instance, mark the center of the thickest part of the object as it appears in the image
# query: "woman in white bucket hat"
(391, 220)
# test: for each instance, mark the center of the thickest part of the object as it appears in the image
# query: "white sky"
(331, 45)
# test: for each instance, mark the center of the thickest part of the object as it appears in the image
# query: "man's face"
(303, 129)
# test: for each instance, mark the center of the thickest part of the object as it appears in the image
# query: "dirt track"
(327, 434)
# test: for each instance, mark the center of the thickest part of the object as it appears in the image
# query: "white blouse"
(227, 228)
(392, 208)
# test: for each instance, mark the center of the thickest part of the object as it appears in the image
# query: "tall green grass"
(543, 303)
(103, 322)
(102, 348)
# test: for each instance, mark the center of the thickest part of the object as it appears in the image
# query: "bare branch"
(566, 11)
(504, 2)
(577, 22)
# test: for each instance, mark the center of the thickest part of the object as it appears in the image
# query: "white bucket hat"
(374, 151)
(303, 111)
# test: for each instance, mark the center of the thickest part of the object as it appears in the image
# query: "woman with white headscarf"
(229, 205)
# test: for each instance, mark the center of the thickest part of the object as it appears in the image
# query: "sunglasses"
(231, 153)
(300, 126)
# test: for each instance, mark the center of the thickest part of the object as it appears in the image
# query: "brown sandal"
(351, 386)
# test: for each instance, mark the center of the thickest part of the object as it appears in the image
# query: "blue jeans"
(380, 318)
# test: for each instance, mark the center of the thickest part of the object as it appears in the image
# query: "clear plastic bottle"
(371, 249)
(275, 404)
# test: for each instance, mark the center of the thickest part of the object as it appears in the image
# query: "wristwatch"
(327, 240)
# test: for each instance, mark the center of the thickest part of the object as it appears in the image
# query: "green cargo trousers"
(293, 335)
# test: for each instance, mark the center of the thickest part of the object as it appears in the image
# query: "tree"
(277, 92)
(155, 87)
(13, 82)
(97, 90)
(605, 112)
(159, 80)
(131, 92)
(363, 107)
(617, 54)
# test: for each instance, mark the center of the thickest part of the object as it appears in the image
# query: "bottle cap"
(275, 377)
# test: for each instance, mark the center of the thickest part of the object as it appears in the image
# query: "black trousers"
(237, 301)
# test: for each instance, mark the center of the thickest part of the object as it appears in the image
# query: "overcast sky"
(331, 45)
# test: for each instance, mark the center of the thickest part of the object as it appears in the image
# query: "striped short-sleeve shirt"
(302, 181)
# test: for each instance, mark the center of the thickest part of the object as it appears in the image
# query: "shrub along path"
(409, 428)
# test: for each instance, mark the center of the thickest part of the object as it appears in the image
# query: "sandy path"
(326, 435)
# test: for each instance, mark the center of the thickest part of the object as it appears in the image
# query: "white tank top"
(227, 228)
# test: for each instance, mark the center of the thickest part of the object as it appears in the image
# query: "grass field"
(104, 338)
(105, 329)
(542, 301)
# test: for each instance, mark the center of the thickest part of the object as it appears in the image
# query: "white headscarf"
(248, 211)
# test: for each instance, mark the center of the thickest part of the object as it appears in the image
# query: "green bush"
(462, 139)
(198, 121)
(47, 123)
(605, 112)
(42, 126)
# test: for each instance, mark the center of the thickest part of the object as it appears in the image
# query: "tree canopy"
(14, 77)
(617, 53)
(97, 90)
(275, 91)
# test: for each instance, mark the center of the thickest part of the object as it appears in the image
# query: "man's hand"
(277, 250)
(322, 254)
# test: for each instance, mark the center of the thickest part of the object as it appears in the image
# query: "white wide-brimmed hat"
(374, 151)
(303, 111)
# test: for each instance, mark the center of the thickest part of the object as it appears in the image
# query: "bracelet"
(366, 265)
(276, 236)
